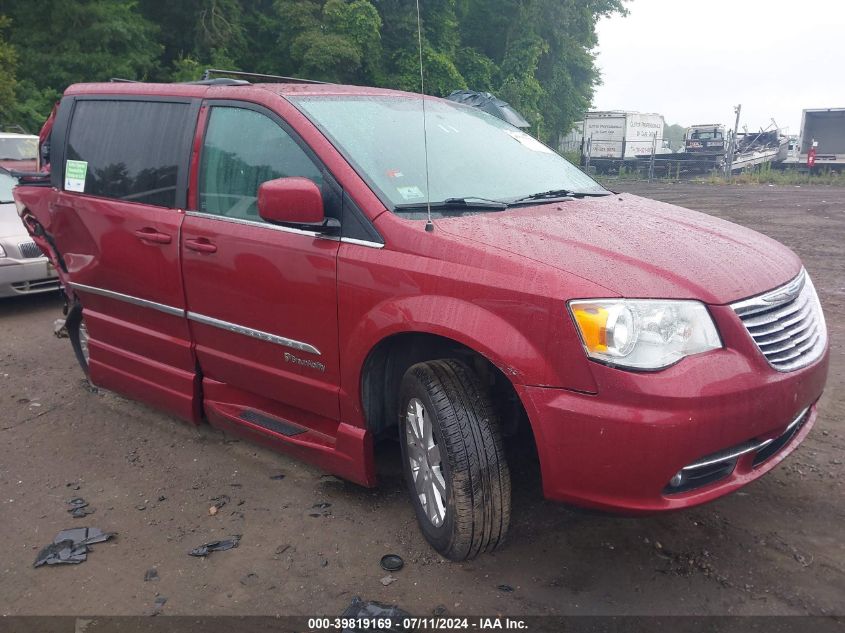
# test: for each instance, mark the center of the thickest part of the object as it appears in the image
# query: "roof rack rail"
(219, 81)
(270, 78)
(121, 80)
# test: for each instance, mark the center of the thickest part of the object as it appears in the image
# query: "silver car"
(23, 267)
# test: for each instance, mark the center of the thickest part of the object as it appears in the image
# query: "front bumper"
(618, 449)
(26, 276)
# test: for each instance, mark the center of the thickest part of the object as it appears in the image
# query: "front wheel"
(453, 459)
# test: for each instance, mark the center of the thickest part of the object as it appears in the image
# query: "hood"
(11, 224)
(636, 247)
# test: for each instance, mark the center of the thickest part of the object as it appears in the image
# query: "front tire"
(453, 459)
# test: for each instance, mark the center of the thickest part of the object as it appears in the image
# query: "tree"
(8, 80)
(67, 42)
(536, 54)
(675, 135)
(336, 41)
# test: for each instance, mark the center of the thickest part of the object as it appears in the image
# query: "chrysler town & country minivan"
(298, 264)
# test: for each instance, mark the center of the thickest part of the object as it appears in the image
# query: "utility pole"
(732, 146)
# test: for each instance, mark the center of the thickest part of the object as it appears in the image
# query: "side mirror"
(290, 201)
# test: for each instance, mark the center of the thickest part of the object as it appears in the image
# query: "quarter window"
(242, 149)
(131, 150)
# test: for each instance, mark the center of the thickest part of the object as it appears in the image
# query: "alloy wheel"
(425, 462)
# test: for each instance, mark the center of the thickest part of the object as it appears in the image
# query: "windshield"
(706, 135)
(471, 154)
(25, 148)
(6, 184)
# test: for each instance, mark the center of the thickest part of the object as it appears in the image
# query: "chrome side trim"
(264, 225)
(745, 448)
(144, 303)
(285, 229)
(367, 243)
(258, 334)
(199, 318)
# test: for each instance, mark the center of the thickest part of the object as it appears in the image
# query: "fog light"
(677, 480)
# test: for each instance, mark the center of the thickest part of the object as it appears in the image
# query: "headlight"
(643, 333)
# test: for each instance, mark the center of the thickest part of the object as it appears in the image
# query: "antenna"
(429, 225)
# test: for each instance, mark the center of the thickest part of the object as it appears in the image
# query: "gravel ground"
(774, 548)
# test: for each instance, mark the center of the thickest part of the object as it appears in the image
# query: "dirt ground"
(774, 548)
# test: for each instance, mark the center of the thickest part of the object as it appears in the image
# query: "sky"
(693, 60)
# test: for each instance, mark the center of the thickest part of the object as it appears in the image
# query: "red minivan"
(318, 266)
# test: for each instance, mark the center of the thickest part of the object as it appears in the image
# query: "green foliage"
(67, 42)
(8, 82)
(766, 175)
(675, 135)
(338, 41)
(535, 54)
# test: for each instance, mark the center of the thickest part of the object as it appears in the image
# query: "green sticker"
(75, 172)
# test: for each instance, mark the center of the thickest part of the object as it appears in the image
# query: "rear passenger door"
(262, 298)
(116, 221)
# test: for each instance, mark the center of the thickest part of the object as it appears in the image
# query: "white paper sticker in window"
(75, 172)
(411, 193)
(528, 141)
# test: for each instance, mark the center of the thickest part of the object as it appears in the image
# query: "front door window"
(242, 149)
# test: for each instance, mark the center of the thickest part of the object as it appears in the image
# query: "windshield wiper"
(559, 193)
(458, 205)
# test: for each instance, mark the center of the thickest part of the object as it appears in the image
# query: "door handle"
(201, 245)
(149, 234)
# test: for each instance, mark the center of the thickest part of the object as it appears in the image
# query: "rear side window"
(128, 150)
(242, 149)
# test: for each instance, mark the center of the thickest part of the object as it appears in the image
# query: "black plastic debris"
(61, 552)
(78, 508)
(216, 546)
(151, 574)
(158, 605)
(71, 547)
(361, 610)
(505, 588)
(491, 105)
(320, 509)
(219, 502)
(392, 562)
(278, 477)
(281, 549)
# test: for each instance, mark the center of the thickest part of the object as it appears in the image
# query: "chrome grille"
(786, 323)
(29, 250)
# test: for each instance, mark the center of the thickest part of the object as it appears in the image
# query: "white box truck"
(824, 129)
